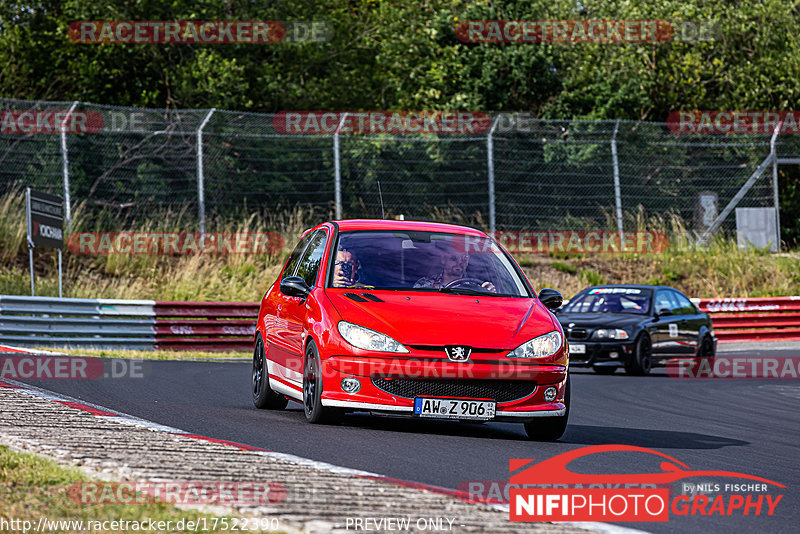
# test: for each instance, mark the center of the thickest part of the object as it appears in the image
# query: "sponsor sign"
(45, 219)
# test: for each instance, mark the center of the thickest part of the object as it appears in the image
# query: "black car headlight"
(611, 333)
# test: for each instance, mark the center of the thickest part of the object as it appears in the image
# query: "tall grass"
(719, 269)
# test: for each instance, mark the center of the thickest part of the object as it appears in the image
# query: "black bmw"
(634, 326)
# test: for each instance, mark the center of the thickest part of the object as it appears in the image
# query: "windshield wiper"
(464, 291)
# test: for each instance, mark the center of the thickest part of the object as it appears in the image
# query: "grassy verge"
(718, 270)
(155, 354)
(32, 487)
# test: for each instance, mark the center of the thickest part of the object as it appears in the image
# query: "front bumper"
(423, 377)
(600, 353)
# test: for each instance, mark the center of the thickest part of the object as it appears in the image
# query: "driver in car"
(454, 267)
(345, 269)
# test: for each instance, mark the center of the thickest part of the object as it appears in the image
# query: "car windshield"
(610, 300)
(424, 261)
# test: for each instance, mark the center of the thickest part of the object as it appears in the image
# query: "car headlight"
(367, 339)
(610, 333)
(539, 347)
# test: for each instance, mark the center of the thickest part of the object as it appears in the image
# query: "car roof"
(632, 286)
(348, 225)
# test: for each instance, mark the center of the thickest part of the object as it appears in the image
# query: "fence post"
(65, 167)
(773, 150)
(201, 194)
(617, 189)
(490, 168)
(337, 170)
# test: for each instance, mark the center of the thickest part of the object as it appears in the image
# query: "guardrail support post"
(201, 194)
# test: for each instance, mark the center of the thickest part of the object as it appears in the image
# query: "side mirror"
(294, 286)
(550, 298)
(663, 312)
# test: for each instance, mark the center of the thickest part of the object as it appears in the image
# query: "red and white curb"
(107, 414)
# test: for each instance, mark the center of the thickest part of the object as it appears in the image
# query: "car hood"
(422, 318)
(606, 320)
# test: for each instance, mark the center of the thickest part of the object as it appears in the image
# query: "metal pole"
(201, 195)
(490, 168)
(59, 273)
(337, 169)
(773, 150)
(29, 233)
(65, 167)
(617, 189)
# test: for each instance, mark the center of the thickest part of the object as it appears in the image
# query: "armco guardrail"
(149, 324)
(754, 319)
(128, 324)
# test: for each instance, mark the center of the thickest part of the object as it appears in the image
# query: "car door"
(666, 338)
(293, 310)
(278, 335)
(689, 323)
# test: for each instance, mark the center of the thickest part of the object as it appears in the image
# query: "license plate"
(577, 349)
(454, 408)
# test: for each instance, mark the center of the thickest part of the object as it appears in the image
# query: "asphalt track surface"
(747, 426)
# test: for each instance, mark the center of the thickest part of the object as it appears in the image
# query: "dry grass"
(718, 270)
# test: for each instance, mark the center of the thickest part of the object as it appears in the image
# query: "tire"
(263, 396)
(604, 370)
(315, 412)
(641, 361)
(706, 349)
(550, 428)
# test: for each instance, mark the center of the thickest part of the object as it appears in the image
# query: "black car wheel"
(641, 361)
(550, 428)
(263, 396)
(312, 390)
(604, 370)
(706, 349)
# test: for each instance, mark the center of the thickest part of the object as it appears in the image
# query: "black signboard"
(45, 220)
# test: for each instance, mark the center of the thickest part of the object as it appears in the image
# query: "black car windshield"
(424, 261)
(610, 300)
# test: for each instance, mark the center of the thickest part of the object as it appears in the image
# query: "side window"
(309, 264)
(685, 306)
(664, 300)
(294, 257)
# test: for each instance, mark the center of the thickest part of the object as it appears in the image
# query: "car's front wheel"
(312, 390)
(550, 428)
(641, 361)
(706, 349)
(263, 396)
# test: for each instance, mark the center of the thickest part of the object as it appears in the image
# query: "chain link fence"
(517, 173)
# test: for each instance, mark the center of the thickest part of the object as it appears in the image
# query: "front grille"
(497, 390)
(576, 333)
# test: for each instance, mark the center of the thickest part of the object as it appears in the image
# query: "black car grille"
(576, 333)
(498, 390)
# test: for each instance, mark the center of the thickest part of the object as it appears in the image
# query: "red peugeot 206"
(411, 318)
